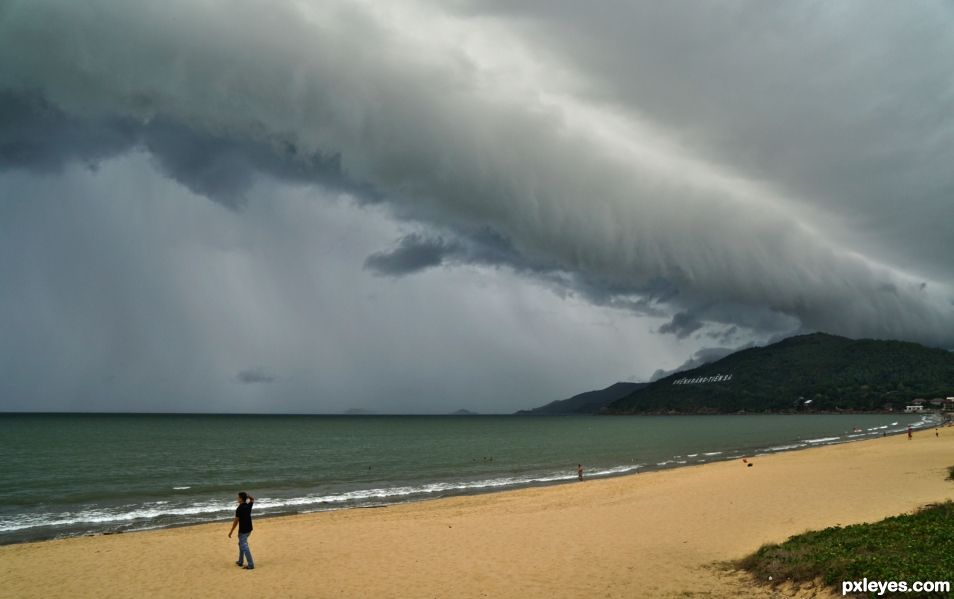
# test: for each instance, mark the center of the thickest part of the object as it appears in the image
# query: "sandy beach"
(657, 534)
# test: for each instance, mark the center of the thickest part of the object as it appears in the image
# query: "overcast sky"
(426, 206)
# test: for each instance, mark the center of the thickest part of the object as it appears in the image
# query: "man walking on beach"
(243, 519)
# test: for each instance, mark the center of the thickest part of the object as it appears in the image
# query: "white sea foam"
(108, 515)
(927, 420)
(618, 470)
(207, 510)
(156, 514)
(786, 447)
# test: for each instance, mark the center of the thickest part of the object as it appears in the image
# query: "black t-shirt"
(244, 514)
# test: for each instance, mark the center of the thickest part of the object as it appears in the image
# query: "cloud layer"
(742, 169)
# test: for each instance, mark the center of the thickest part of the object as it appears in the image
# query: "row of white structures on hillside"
(940, 403)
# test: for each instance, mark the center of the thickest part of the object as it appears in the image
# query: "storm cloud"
(255, 376)
(36, 135)
(413, 253)
(729, 172)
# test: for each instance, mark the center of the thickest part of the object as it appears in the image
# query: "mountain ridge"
(813, 372)
(588, 402)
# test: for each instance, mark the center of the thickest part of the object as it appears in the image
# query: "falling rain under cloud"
(423, 206)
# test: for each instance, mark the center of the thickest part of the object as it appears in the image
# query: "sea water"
(73, 474)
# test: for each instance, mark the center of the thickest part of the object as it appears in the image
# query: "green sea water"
(63, 474)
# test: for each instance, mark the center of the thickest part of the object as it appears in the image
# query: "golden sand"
(649, 535)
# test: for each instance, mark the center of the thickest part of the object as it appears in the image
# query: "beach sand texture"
(656, 534)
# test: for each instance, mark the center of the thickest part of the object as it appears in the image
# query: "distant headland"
(802, 374)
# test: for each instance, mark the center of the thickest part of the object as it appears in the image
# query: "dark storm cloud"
(726, 336)
(682, 325)
(413, 253)
(36, 135)
(699, 358)
(123, 271)
(417, 251)
(707, 355)
(761, 160)
(255, 376)
(223, 168)
(725, 321)
(845, 106)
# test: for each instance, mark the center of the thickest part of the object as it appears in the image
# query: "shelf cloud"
(740, 170)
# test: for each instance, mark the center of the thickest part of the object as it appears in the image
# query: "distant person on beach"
(243, 519)
(909, 433)
(579, 471)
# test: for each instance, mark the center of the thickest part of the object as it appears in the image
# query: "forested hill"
(816, 372)
(591, 402)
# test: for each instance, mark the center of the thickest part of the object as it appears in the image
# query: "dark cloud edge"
(37, 135)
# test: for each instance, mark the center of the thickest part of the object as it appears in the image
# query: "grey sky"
(427, 206)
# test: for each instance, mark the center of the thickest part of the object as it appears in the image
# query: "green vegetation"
(950, 473)
(591, 402)
(834, 373)
(911, 547)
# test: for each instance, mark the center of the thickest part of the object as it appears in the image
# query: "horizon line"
(130, 413)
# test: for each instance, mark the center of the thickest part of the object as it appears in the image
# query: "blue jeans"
(244, 554)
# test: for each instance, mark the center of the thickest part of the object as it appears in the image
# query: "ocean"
(77, 474)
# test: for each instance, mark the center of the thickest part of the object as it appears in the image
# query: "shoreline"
(389, 494)
(655, 534)
(543, 480)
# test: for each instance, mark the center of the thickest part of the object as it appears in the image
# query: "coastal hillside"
(591, 402)
(817, 372)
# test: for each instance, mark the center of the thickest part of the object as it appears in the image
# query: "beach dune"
(657, 534)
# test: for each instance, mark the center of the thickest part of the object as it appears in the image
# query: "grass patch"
(911, 547)
(950, 473)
